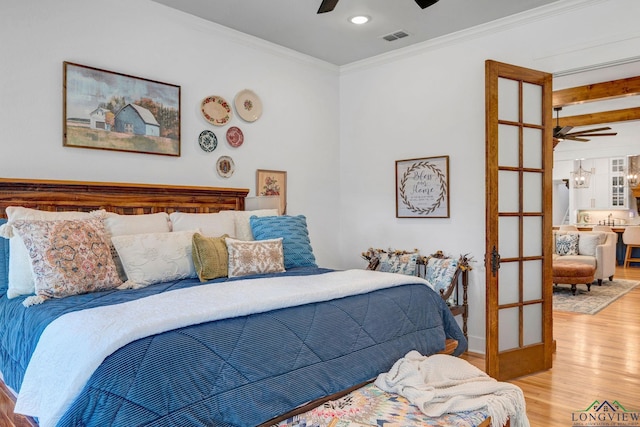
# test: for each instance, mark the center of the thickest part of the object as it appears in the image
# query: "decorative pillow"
(210, 257)
(155, 257)
(68, 257)
(440, 272)
(241, 220)
(21, 280)
(373, 258)
(121, 225)
(210, 225)
(567, 244)
(4, 261)
(587, 242)
(255, 257)
(398, 262)
(295, 237)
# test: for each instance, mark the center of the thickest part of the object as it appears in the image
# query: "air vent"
(395, 35)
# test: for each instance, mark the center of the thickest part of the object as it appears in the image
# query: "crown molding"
(499, 25)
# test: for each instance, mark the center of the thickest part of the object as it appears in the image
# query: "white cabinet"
(596, 195)
(607, 189)
(617, 178)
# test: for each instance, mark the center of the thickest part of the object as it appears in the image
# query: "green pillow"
(210, 256)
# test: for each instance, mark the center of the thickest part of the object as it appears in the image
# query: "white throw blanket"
(73, 346)
(442, 384)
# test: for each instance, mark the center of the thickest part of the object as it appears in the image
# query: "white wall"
(298, 131)
(429, 101)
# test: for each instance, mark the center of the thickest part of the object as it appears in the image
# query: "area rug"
(590, 302)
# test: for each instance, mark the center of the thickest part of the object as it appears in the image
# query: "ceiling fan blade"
(573, 138)
(426, 3)
(597, 134)
(559, 132)
(581, 132)
(327, 6)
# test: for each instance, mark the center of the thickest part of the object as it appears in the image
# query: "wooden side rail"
(458, 304)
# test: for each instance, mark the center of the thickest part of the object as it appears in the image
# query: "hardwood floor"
(597, 358)
(7, 417)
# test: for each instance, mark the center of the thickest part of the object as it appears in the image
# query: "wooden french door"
(519, 156)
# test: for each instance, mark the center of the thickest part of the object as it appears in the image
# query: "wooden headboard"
(121, 198)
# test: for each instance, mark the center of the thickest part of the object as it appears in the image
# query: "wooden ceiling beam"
(624, 115)
(597, 92)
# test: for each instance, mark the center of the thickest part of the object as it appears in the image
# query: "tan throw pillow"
(255, 256)
(210, 256)
(68, 257)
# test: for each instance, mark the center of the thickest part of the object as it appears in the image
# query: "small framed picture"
(272, 183)
(422, 188)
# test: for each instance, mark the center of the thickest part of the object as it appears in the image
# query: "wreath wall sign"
(422, 188)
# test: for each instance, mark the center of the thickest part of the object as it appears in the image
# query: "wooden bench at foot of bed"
(367, 405)
(354, 393)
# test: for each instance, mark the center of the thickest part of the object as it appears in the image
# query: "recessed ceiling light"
(359, 19)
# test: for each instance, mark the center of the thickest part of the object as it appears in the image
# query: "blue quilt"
(241, 371)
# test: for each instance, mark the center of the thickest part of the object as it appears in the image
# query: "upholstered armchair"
(596, 248)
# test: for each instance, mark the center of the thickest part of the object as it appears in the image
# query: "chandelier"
(580, 177)
(632, 178)
(633, 174)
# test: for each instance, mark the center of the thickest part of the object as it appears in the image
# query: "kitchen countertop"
(587, 227)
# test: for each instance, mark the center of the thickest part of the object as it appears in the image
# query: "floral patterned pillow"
(399, 262)
(255, 256)
(68, 257)
(440, 272)
(567, 244)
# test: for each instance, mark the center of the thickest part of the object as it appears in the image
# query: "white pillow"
(119, 225)
(21, 279)
(241, 219)
(588, 241)
(155, 257)
(210, 225)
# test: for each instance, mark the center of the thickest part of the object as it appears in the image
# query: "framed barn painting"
(111, 111)
(272, 183)
(422, 188)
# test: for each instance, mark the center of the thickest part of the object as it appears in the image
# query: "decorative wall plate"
(248, 105)
(225, 166)
(216, 110)
(235, 137)
(208, 141)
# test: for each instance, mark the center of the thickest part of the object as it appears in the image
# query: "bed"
(237, 366)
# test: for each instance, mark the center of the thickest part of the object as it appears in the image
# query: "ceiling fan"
(329, 5)
(564, 133)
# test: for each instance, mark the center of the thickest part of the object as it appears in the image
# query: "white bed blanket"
(72, 347)
(442, 384)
